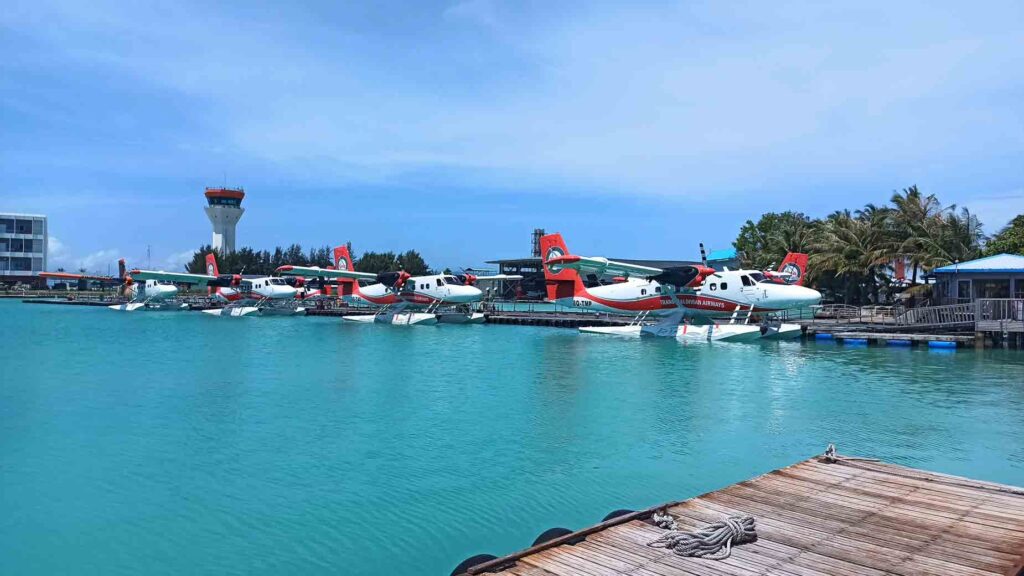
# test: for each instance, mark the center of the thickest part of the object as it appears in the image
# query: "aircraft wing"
(677, 276)
(69, 276)
(317, 272)
(179, 277)
(499, 277)
(601, 266)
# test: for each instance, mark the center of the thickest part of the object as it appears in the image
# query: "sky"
(636, 129)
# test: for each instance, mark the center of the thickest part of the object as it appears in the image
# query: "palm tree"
(912, 210)
(854, 248)
(951, 237)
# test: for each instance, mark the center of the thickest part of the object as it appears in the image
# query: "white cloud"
(680, 100)
(100, 262)
(176, 262)
(61, 255)
(56, 252)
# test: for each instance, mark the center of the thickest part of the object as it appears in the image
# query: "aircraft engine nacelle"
(702, 273)
(226, 281)
(394, 280)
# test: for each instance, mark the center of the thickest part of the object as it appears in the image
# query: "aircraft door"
(749, 289)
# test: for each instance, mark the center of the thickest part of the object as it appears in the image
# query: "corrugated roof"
(997, 263)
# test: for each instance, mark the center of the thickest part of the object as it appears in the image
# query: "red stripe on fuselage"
(709, 304)
(379, 300)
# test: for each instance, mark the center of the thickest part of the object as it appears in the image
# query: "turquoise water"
(178, 443)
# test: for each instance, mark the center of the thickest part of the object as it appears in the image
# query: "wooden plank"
(863, 530)
(962, 535)
(816, 519)
(786, 527)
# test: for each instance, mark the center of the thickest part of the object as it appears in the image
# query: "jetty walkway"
(822, 516)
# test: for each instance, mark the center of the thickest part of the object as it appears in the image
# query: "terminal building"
(23, 248)
(224, 209)
(999, 276)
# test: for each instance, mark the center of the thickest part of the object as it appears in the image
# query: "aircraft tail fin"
(561, 282)
(795, 264)
(343, 258)
(211, 270)
(343, 261)
(122, 269)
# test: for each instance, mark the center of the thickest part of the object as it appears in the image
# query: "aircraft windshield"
(276, 282)
(451, 280)
(758, 277)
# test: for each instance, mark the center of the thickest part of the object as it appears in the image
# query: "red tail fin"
(343, 261)
(342, 258)
(211, 270)
(795, 264)
(561, 283)
(121, 269)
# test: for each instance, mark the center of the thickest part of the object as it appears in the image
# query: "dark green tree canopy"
(264, 262)
(1009, 240)
(853, 253)
(261, 262)
(377, 262)
(765, 243)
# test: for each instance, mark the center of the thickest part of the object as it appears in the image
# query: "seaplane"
(141, 293)
(244, 295)
(402, 299)
(691, 303)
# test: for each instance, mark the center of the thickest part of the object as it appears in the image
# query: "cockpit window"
(757, 277)
(452, 280)
(276, 282)
(746, 280)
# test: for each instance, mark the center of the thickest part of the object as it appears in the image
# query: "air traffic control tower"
(224, 208)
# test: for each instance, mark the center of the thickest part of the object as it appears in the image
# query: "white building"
(224, 209)
(23, 248)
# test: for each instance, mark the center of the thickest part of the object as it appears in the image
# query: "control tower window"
(215, 201)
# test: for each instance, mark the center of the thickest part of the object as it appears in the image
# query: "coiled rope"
(714, 541)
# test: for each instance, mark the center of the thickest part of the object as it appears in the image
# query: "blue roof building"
(725, 258)
(999, 276)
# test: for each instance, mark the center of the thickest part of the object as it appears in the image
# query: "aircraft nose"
(807, 296)
(470, 294)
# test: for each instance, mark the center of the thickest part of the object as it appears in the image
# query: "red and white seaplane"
(400, 295)
(699, 294)
(244, 295)
(142, 293)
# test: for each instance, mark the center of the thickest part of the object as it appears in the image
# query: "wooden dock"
(847, 517)
(556, 319)
(883, 338)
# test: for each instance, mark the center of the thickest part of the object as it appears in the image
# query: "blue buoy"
(898, 342)
(855, 342)
(820, 336)
(938, 344)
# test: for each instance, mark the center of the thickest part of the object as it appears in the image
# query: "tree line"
(247, 260)
(853, 253)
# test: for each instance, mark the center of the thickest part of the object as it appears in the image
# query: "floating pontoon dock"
(848, 517)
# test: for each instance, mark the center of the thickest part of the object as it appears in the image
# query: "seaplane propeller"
(704, 262)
